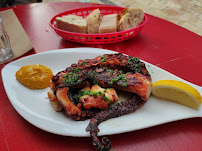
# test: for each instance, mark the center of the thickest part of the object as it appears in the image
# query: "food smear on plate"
(177, 91)
(34, 76)
(96, 23)
(87, 90)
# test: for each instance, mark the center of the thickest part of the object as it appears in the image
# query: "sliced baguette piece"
(125, 23)
(108, 24)
(93, 21)
(130, 18)
(122, 13)
(72, 23)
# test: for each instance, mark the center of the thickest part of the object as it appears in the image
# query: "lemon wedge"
(177, 91)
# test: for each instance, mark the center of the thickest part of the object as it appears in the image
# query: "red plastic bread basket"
(96, 38)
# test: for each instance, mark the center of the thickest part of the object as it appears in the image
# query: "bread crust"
(124, 23)
(130, 18)
(127, 19)
(72, 27)
(93, 21)
(122, 13)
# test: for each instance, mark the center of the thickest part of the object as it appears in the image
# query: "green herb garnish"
(82, 63)
(89, 92)
(92, 77)
(111, 72)
(77, 70)
(136, 65)
(134, 59)
(104, 59)
(72, 77)
(107, 99)
(121, 77)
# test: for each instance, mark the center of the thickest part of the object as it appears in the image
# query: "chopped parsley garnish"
(134, 59)
(112, 81)
(120, 71)
(121, 77)
(111, 71)
(76, 70)
(72, 77)
(104, 68)
(104, 59)
(88, 92)
(134, 62)
(107, 99)
(124, 84)
(136, 67)
(92, 77)
(82, 63)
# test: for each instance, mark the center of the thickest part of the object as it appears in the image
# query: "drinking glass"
(5, 47)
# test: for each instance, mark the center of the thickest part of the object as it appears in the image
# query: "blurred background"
(185, 13)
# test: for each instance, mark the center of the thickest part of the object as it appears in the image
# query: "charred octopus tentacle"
(130, 105)
(122, 72)
(125, 73)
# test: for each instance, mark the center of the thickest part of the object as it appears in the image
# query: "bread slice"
(108, 24)
(93, 21)
(125, 23)
(122, 13)
(72, 23)
(130, 18)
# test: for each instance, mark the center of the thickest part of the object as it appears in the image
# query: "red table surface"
(161, 43)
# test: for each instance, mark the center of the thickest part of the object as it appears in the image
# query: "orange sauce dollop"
(34, 76)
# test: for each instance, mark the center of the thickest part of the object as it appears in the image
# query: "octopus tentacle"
(113, 61)
(129, 82)
(130, 105)
(68, 105)
(74, 111)
(137, 80)
(125, 73)
(105, 145)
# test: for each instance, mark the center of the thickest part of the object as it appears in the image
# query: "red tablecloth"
(161, 43)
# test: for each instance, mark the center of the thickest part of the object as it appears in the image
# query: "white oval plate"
(34, 106)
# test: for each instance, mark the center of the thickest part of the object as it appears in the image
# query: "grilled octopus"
(125, 73)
